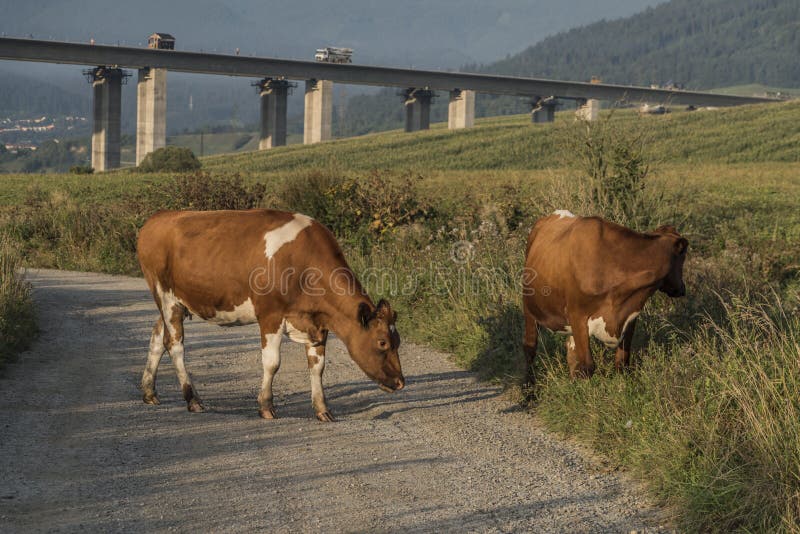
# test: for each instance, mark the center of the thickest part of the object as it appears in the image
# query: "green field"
(751, 134)
(752, 89)
(710, 416)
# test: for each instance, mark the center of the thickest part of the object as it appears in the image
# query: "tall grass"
(17, 319)
(710, 421)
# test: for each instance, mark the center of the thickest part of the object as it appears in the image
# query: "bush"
(17, 319)
(170, 159)
(612, 160)
(81, 169)
(54, 230)
(374, 205)
(199, 191)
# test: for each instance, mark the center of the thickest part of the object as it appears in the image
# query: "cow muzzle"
(397, 385)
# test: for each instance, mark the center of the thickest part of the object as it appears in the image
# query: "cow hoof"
(326, 417)
(151, 398)
(194, 406)
(267, 413)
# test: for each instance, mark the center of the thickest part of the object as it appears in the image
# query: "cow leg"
(529, 344)
(157, 350)
(622, 358)
(271, 361)
(572, 357)
(581, 363)
(316, 366)
(173, 318)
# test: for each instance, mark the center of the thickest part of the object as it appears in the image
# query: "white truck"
(333, 54)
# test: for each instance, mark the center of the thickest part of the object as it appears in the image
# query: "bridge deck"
(229, 65)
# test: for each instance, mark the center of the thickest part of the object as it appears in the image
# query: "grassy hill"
(703, 44)
(743, 134)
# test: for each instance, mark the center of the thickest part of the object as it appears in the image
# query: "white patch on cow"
(168, 301)
(563, 213)
(294, 334)
(597, 328)
(275, 239)
(242, 314)
(316, 370)
(271, 362)
(630, 318)
(566, 330)
(571, 343)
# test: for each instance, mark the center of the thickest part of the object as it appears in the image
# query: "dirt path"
(80, 451)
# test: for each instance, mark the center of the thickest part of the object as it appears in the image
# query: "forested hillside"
(27, 97)
(702, 44)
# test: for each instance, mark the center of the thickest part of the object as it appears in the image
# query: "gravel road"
(80, 451)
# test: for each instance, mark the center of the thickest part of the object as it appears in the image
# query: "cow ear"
(364, 314)
(666, 229)
(680, 246)
(384, 309)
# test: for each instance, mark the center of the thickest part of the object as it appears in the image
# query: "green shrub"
(372, 205)
(54, 230)
(612, 161)
(81, 169)
(170, 159)
(199, 191)
(17, 318)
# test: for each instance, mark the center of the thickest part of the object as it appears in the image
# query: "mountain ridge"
(713, 43)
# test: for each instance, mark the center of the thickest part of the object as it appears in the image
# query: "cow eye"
(383, 344)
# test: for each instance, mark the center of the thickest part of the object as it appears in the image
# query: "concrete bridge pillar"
(151, 112)
(319, 111)
(107, 91)
(461, 111)
(273, 94)
(588, 110)
(418, 109)
(543, 110)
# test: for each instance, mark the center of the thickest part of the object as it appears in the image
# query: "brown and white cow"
(281, 270)
(585, 276)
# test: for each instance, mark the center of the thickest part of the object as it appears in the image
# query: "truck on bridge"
(333, 54)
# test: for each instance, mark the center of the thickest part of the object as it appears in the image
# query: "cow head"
(672, 284)
(373, 345)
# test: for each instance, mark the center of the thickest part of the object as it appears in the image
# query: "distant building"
(161, 41)
(15, 148)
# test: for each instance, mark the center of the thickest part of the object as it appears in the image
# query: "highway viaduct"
(418, 86)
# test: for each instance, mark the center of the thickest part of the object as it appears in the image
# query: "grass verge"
(17, 318)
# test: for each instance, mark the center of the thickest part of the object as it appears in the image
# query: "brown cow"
(281, 270)
(586, 276)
